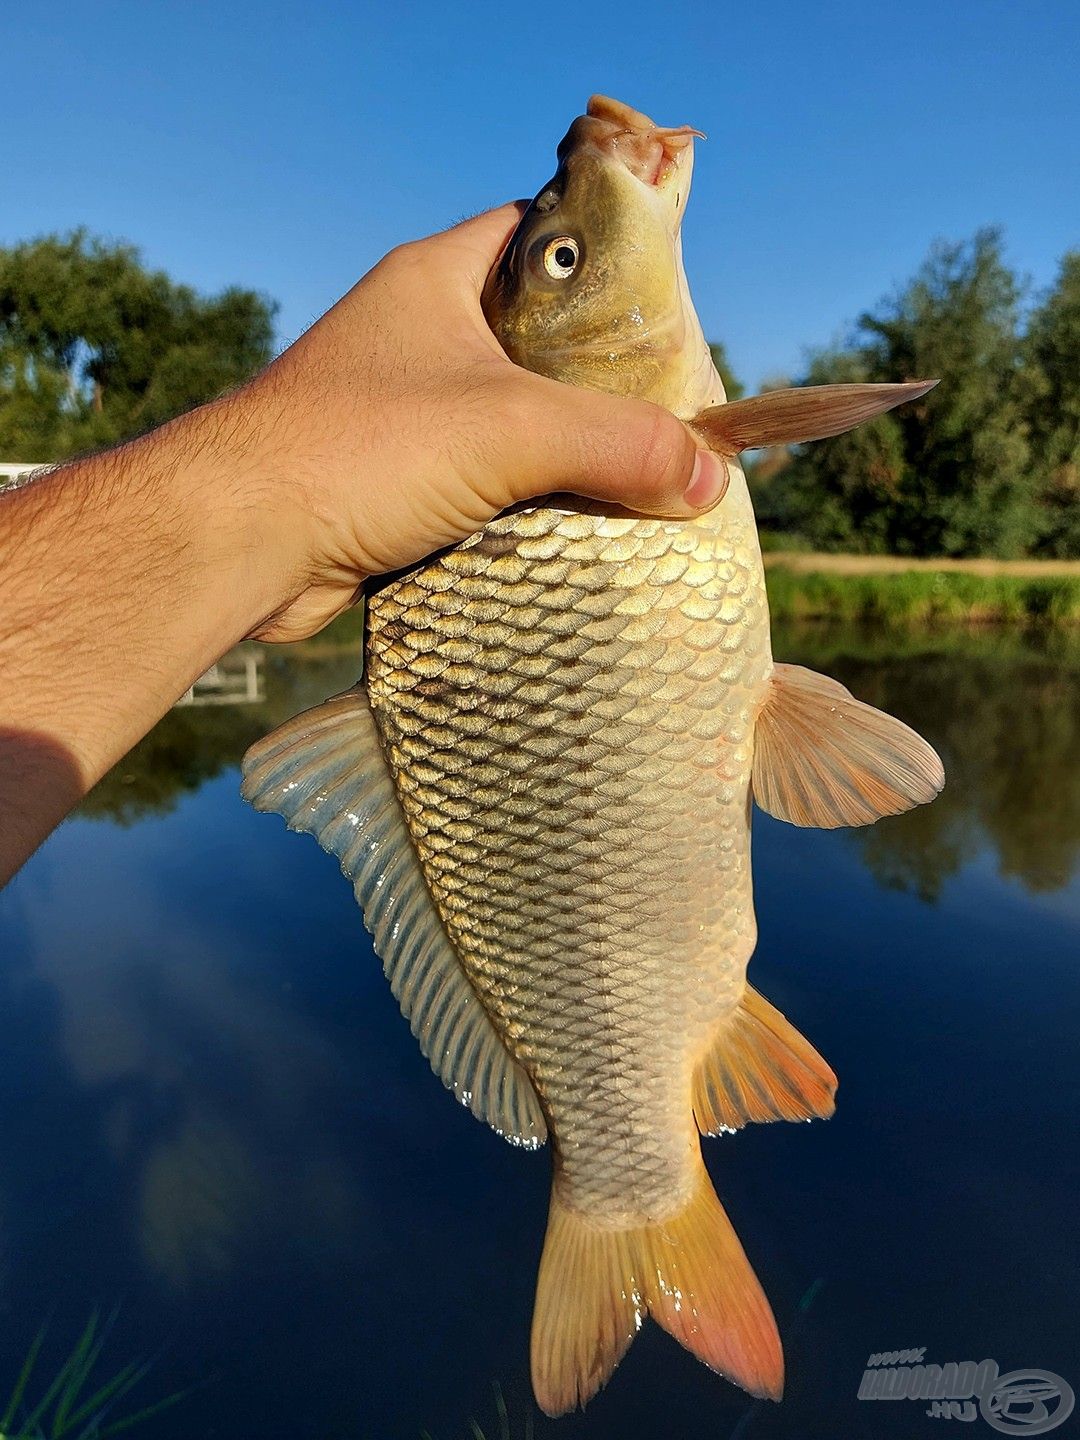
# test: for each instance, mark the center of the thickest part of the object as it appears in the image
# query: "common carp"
(541, 791)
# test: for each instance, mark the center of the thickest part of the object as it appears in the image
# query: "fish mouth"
(654, 154)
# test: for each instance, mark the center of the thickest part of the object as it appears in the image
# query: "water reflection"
(196, 1085)
(1003, 711)
(236, 679)
(250, 692)
(1002, 708)
(212, 1111)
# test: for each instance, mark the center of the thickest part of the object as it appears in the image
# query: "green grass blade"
(80, 1374)
(21, 1383)
(63, 1377)
(90, 1348)
(113, 1390)
(33, 1421)
(118, 1426)
(500, 1410)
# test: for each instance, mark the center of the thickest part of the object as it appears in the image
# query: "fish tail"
(689, 1272)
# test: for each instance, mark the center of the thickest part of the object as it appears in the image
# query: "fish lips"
(659, 156)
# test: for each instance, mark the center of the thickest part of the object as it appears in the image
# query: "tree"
(732, 388)
(952, 474)
(840, 494)
(95, 348)
(1051, 387)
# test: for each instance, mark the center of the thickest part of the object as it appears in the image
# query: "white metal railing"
(12, 469)
(236, 679)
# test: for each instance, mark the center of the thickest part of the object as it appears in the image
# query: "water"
(215, 1119)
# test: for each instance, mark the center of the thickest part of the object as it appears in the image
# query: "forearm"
(393, 427)
(122, 578)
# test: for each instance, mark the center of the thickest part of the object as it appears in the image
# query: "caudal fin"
(689, 1272)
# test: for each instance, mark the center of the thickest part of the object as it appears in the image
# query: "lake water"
(215, 1121)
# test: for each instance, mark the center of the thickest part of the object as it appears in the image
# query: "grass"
(923, 597)
(502, 1416)
(74, 1405)
(880, 590)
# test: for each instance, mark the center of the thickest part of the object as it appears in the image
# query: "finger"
(479, 241)
(627, 452)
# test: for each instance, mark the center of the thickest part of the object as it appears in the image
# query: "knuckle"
(660, 456)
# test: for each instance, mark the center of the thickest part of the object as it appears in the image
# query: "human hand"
(393, 427)
(396, 426)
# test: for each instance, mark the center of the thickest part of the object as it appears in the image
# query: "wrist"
(246, 519)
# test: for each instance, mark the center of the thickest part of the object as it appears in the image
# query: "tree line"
(988, 463)
(95, 348)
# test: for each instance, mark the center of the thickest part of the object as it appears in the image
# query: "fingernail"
(708, 481)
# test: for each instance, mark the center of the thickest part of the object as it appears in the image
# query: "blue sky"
(287, 146)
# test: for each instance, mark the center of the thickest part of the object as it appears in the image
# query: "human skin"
(393, 427)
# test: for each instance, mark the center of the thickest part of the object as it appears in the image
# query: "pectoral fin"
(792, 417)
(326, 773)
(758, 1067)
(823, 758)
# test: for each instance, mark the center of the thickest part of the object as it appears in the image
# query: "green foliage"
(952, 474)
(923, 597)
(95, 348)
(734, 389)
(1051, 389)
(73, 1404)
(840, 494)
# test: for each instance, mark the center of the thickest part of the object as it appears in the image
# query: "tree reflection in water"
(1001, 706)
(1003, 710)
(196, 742)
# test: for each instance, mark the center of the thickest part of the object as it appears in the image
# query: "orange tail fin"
(689, 1272)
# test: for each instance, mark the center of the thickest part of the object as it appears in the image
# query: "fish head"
(590, 288)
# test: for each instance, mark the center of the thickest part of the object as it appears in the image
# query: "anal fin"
(759, 1067)
(823, 758)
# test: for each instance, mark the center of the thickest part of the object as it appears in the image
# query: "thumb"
(606, 447)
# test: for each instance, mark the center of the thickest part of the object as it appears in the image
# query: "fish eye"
(561, 256)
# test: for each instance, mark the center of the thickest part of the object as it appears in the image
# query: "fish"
(541, 791)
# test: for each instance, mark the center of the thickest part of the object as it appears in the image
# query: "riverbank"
(894, 590)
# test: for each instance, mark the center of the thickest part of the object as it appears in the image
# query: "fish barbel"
(541, 791)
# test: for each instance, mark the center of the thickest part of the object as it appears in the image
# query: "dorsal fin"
(326, 773)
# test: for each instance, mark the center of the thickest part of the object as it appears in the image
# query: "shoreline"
(895, 591)
(816, 562)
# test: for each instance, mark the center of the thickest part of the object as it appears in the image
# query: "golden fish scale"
(567, 701)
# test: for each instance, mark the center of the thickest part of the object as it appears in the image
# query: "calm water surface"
(215, 1119)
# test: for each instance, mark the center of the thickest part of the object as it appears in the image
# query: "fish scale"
(580, 810)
